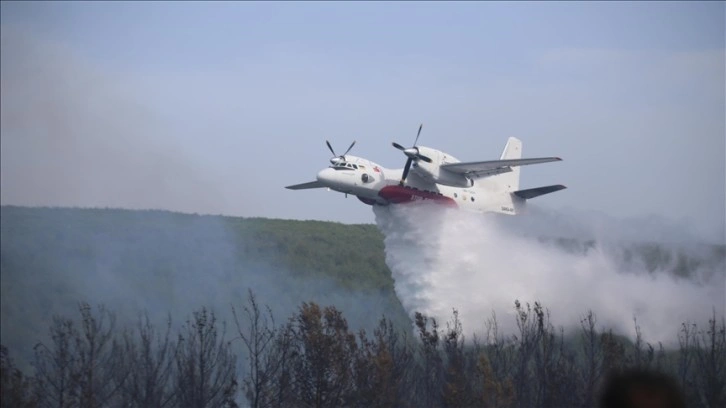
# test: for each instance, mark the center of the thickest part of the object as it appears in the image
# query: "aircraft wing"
(303, 186)
(492, 167)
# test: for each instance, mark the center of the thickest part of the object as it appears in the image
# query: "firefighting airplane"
(430, 174)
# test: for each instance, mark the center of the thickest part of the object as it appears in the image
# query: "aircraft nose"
(326, 176)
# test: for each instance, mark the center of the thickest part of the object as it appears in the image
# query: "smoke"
(76, 133)
(158, 262)
(443, 259)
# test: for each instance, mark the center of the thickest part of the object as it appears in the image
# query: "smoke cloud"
(158, 262)
(74, 133)
(443, 259)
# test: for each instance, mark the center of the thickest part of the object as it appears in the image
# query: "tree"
(205, 365)
(495, 393)
(710, 355)
(457, 389)
(382, 369)
(56, 370)
(686, 341)
(285, 353)
(151, 365)
(613, 352)
(430, 378)
(547, 356)
(15, 389)
(84, 366)
(526, 344)
(101, 364)
(324, 364)
(500, 353)
(592, 357)
(258, 335)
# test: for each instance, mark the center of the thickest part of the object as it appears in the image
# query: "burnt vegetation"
(313, 359)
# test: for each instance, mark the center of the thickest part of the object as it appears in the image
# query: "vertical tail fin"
(513, 150)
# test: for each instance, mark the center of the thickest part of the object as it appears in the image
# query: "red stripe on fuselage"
(400, 194)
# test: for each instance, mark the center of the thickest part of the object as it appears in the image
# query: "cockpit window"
(342, 166)
(355, 166)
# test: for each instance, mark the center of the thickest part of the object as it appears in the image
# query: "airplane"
(430, 174)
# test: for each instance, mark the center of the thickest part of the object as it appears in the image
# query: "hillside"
(167, 262)
(171, 263)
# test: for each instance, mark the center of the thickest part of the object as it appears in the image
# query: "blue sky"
(215, 107)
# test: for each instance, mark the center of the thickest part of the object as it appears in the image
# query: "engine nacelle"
(433, 171)
(444, 177)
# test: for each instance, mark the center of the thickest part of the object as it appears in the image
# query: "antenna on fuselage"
(412, 153)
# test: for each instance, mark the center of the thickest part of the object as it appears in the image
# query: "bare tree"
(84, 366)
(564, 381)
(546, 358)
(205, 365)
(592, 358)
(285, 353)
(710, 354)
(56, 370)
(614, 358)
(643, 352)
(15, 388)
(151, 364)
(457, 391)
(100, 358)
(499, 351)
(686, 344)
(258, 335)
(526, 344)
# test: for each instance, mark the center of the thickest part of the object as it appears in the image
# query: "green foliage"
(170, 262)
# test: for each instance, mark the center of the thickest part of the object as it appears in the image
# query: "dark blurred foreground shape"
(639, 388)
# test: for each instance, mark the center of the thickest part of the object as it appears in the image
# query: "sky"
(214, 107)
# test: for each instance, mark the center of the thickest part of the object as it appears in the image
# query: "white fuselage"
(376, 185)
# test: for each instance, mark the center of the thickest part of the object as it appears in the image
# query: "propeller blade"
(418, 134)
(351, 146)
(331, 148)
(398, 146)
(406, 169)
(424, 158)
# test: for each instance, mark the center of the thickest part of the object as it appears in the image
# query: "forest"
(313, 359)
(107, 307)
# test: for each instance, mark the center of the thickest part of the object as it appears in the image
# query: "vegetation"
(333, 332)
(314, 360)
(169, 262)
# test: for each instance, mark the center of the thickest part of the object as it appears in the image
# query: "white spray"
(479, 264)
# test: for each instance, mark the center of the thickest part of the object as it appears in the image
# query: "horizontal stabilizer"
(303, 186)
(536, 192)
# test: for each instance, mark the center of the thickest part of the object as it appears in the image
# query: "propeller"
(338, 159)
(412, 153)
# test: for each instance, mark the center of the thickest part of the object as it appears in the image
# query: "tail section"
(515, 200)
(513, 150)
